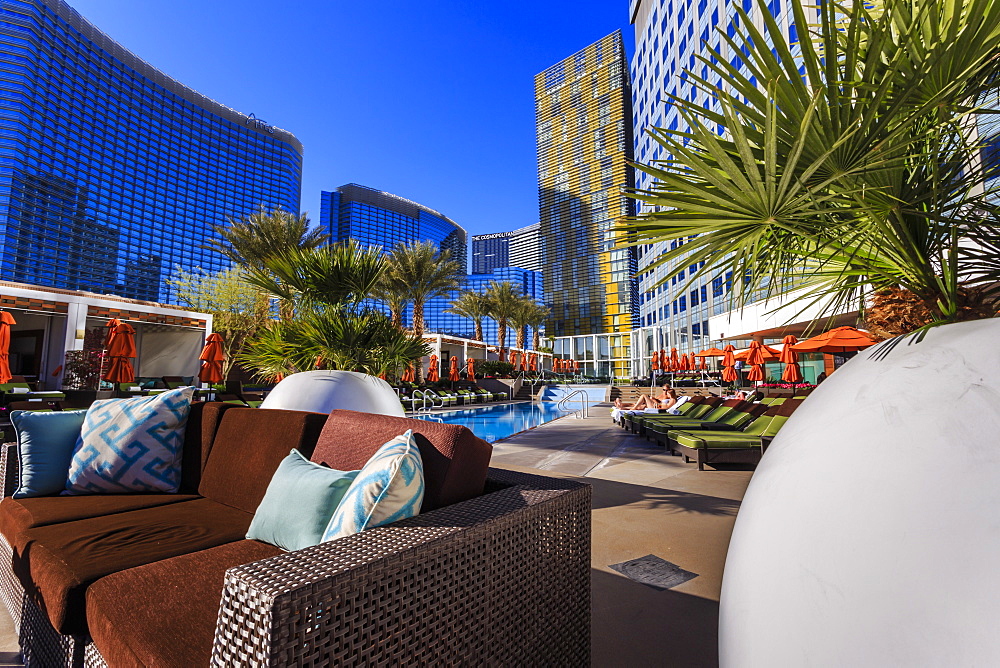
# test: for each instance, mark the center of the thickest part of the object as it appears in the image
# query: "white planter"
(324, 391)
(870, 533)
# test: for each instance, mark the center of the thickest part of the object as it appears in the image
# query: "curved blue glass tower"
(111, 173)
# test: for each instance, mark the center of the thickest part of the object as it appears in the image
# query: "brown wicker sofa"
(494, 570)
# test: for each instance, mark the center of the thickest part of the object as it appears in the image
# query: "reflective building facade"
(377, 218)
(668, 36)
(529, 282)
(583, 115)
(490, 251)
(111, 173)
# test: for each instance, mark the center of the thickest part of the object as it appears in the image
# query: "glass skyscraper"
(490, 251)
(111, 173)
(377, 218)
(582, 111)
(527, 282)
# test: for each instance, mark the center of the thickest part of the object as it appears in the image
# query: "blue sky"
(432, 101)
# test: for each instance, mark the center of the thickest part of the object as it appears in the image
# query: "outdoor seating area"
(444, 395)
(171, 580)
(713, 430)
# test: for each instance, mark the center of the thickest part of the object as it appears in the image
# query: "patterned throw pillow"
(131, 445)
(390, 487)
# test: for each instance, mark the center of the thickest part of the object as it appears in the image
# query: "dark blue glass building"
(377, 218)
(529, 282)
(111, 173)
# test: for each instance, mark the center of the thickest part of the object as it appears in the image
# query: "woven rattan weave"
(501, 579)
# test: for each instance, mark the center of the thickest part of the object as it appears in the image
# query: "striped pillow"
(390, 487)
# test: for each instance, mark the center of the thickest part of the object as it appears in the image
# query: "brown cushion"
(164, 614)
(56, 563)
(202, 423)
(16, 515)
(248, 447)
(455, 460)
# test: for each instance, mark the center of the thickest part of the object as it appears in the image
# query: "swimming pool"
(492, 423)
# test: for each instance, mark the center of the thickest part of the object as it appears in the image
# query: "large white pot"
(870, 533)
(324, 391)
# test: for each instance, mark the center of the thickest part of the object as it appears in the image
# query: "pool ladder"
(425, 397)
(584, 411)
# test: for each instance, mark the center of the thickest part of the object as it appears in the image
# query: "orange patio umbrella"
(6, 320)
(655, 362)
(211, 358)
(768, 353)
(470, 368)
(755, 357)
(790, 358)
(839, 340)
(664, 360)
(513, 358)
(523, 366)
(433, 370)
(121, 350)
(729, 374)
(711, 352)
(685, 362)
(410, 374)
(453, 374)
(533, 362)
(701, 363)
(675, 361)
(576, 366)
(111, 324)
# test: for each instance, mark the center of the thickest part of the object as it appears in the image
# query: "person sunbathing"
(664, 401)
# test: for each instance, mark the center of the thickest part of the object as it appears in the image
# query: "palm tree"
(503, 298)
(528, 313)
(388, 291)
(474, 306)
(332, 329)
(265, 234)
(419, 271)
(846, 163)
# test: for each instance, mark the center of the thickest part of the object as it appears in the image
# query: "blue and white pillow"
(390, 487)
(131, 445)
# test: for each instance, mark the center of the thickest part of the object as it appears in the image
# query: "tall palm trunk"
(418, 331)
(502, 337)
(536, 339)
(520, 338)
(479, 329)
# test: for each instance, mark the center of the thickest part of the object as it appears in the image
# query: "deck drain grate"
(653, 571)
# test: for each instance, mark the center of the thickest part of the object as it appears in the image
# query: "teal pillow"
(299, 502)
(45, 442)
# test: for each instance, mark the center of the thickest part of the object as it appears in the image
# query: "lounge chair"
(735, 416)
(732, 447)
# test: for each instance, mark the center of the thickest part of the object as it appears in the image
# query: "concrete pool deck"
(645, 502)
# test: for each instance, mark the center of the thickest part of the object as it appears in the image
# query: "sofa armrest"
(500, 579)
(9, 464)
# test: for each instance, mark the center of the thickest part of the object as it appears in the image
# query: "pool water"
(493, 423)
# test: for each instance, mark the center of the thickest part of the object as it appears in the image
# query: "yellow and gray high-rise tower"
(584, 122)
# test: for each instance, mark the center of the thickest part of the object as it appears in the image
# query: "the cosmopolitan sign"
(259, 123)
(498, 235)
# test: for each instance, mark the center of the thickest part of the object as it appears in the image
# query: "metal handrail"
(584, 411)
(424, 397)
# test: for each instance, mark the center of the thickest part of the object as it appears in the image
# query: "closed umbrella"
(523, 366)
(533, 362)
(836, 341)
(701, 364)
(675, 361)
(655, 362)
(453, 374)
(513, 359)
(685, 362)
(211, 358)
(729, 374)
(790, 358)
(111, 324)
(755, 357)
(434, 370)
(6, 320)
(576, 366)
(121, 350)
(410, 374)
(470, 369)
